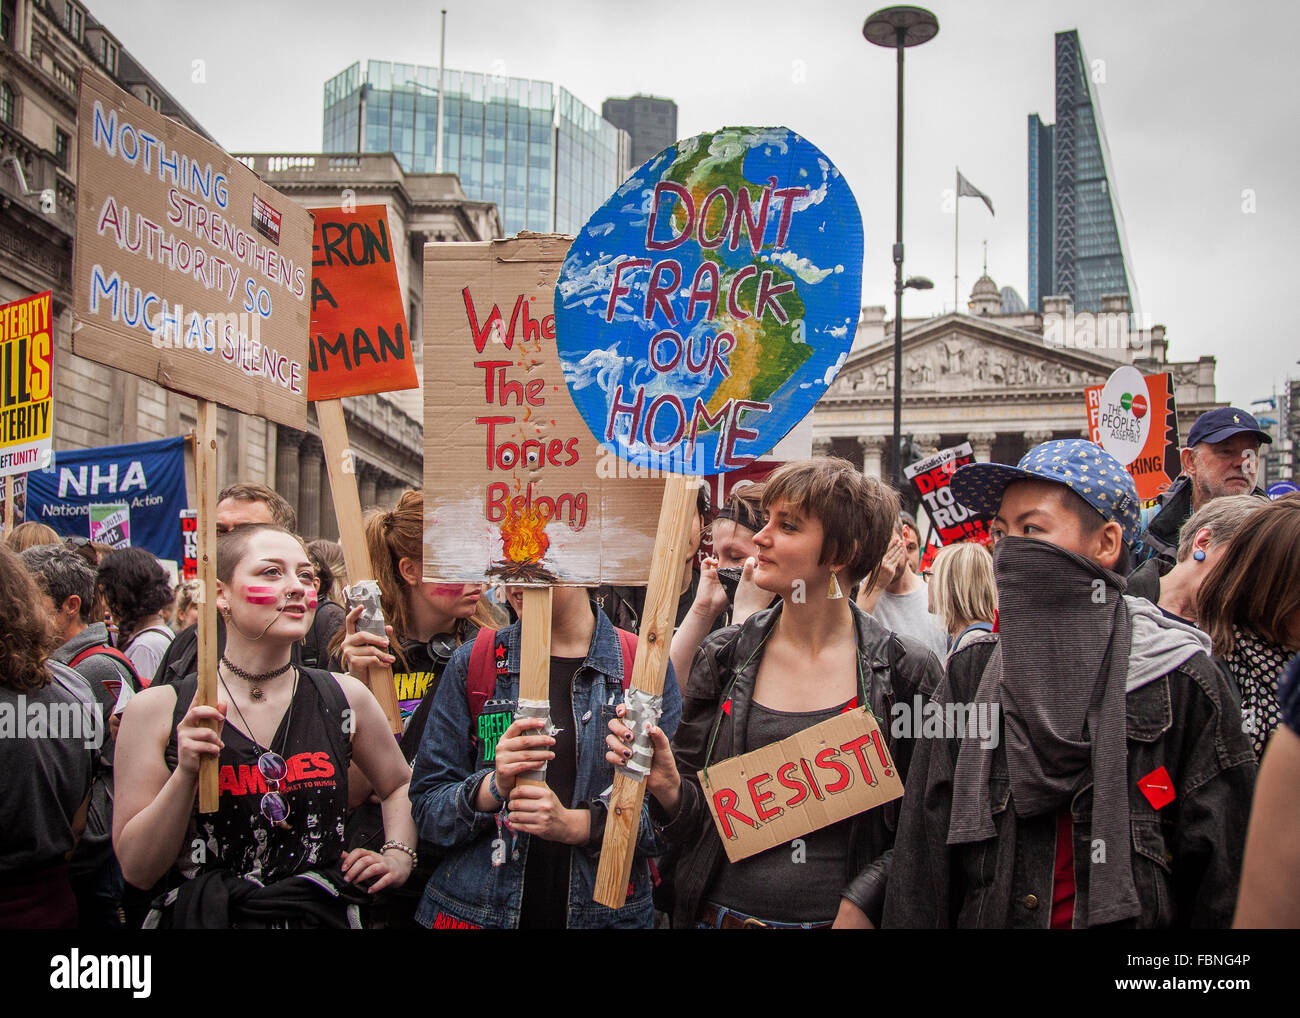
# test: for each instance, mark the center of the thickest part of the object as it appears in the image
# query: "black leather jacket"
(894, 668)
(1186, 857)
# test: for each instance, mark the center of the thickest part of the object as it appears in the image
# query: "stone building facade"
(1002, 381)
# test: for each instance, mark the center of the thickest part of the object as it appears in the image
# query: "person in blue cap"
(1221, 458)
(1117, 785)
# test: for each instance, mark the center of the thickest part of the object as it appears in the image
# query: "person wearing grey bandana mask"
(1119, 787)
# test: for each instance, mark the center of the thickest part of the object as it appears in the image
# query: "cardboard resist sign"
(189, 270)
(834, 770)
(705, 308)
(516, 488)
(359, 339)
(931, 477)
(26, 402)
(1133, 417)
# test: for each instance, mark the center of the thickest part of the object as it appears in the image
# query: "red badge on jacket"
(1158, 787)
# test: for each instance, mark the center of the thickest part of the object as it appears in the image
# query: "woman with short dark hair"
(136, 590)
(808, 659)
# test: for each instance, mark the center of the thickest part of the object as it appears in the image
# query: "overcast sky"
(1199, 102)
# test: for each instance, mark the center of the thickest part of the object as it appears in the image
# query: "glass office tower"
(1077, 246)
(546, 159)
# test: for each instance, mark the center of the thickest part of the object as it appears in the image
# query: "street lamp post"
(899, 28)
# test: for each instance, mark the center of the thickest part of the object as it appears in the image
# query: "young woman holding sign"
(284, 741)
(807, 659)
(521, 855)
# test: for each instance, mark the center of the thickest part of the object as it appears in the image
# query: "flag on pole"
(965, 189)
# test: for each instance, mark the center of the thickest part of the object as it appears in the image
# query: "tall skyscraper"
(1077, 246)
(650, 121)
(547, 160)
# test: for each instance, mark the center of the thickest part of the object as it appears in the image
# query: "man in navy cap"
(1117, 785)
(1221, 458)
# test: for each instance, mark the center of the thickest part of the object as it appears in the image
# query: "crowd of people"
(1142, 668)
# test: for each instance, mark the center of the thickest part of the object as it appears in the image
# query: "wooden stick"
(535, 652)
(205, 473)
(341, 467)
(662, 593)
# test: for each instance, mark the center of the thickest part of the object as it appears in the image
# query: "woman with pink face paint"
(286, 740)
(426, 622)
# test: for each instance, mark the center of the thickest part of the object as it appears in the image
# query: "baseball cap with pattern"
(1084, 467)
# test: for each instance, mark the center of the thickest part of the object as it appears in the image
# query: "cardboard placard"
(189, 270)
(26, 387)
(1143, 435)
(931, 478)
(707, 305)
(827, 773)
(516, 488)
(360, 343)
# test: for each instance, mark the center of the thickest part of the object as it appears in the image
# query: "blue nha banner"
(148, 478)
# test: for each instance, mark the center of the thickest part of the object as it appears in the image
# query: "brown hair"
(392, 535)
(26, 637)
(327, 557)
(961, 578)
(857, 513)
(29, 535)
(232, 546)
(1256, 583)
(282, 513)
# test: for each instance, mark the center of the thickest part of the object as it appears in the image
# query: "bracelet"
(415, 859)
(493, 790)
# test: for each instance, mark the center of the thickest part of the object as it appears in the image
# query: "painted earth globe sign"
(707, 305)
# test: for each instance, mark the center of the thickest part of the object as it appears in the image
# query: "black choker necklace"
(254, 679)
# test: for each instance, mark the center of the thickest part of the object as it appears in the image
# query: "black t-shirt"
(546, 874)
(316, 749)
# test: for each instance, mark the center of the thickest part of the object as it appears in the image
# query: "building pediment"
(959, 354)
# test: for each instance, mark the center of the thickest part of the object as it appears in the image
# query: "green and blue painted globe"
(761, 218)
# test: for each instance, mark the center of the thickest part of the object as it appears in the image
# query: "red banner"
(931, 478)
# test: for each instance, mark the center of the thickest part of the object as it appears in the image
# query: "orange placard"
(359, 338)
(1156, 465)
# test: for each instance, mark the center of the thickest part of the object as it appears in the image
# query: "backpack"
(137, 681)
(483, 671)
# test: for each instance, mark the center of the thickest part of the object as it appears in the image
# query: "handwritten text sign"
(189, 270)
(26, 400)
(931, 477)
(705, 308)
(826, 773)
(359, 339)
(516, 488)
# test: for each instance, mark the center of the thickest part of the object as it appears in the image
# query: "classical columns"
(311, 462)
(287, 441)
(367, 485)
(982, 445)
(1037, 437)
(925, 441)
(873, 451)
(821, 447)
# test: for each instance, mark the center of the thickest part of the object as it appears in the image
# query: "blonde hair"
(31, 535)
(961, 579)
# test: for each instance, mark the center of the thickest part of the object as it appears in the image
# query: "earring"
(834, 593)
(1198, 555)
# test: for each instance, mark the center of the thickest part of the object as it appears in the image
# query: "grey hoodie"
(1159, 644)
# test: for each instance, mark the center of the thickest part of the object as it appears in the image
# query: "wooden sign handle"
(341, 467)
(662, 593)
(205, 473)
(535, 652)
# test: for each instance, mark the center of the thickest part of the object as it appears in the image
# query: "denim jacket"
(466, 889)
(1186, 857)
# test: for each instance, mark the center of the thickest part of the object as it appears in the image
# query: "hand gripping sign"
(700, 314)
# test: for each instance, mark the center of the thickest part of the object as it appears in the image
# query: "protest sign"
(705, 308)
(516, 488)
(699, 315)
(146, 478)
(189, 544)
(931, 478)
(110, 524)
(827, 773)
(360, 343)
(178, 276)
(1280, 488)
(1134, 418)
(26, 390)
